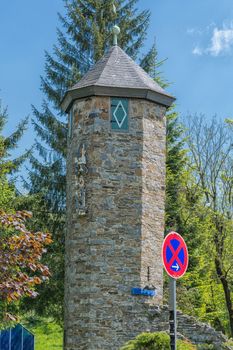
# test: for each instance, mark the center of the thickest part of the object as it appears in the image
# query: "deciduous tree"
(20, 249)
(20, 260)
(211, 162)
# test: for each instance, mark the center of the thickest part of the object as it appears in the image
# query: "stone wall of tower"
(111, 247)
(153, 194)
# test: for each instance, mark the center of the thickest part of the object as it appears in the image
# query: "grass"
(48, 334)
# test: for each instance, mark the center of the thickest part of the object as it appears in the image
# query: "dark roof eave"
(95, 90)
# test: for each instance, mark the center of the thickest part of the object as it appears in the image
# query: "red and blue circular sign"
(175, 255)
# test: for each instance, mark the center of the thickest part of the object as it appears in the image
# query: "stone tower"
(115, 202)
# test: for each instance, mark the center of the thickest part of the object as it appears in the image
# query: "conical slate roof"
(116, 74)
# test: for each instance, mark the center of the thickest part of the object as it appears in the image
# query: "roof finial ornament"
(116, 30)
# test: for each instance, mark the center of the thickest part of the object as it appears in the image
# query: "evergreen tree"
(176, 159)
(8, 164)
(86, 35)
(181, 190)
(16, 280)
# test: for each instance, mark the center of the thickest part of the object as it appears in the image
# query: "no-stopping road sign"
(175, 255)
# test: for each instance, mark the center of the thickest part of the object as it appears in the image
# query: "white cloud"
(197, 51)
(220, 40)
(194, 31)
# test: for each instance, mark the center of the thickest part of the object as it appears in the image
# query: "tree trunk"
(227, 292)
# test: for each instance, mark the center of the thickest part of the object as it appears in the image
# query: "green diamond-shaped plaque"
(119, 114)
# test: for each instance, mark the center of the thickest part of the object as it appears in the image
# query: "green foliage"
(10, 143)
(175, 167)
(155, 341)
(206, 347)
(152, 66)
(210, 215)
(50, 301)
(20, 260)
(229, 344)
(6, 190)
(185, 345)
(198, 207)
(9, 165)
(14, 283)
(224, 346)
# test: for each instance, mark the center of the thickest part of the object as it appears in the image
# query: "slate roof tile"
(116, 74)
(117, 69)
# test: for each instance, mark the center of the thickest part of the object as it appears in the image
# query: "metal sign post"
(172, 312)
(175, 261)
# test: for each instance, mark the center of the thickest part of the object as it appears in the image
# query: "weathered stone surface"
(117, 245)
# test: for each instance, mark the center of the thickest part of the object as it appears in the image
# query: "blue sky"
(196, 37)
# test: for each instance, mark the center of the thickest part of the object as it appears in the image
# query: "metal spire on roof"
(116, 30)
